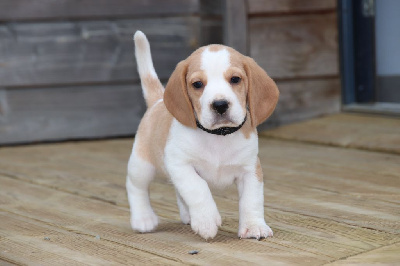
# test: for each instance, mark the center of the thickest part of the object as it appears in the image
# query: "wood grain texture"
(324, 204)
(372, 205)
(235, 25)
(388, 255)
(46, 244)
(358, 131)
(35, 54)
(290, 6)
(14, 10)
(304, 99)
(41, 114)
(295, 46)
(172, 240)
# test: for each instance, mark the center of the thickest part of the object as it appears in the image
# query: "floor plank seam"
(19, 179)
(74, 231)
(83, 233)
(322, 218)
(362, 252)
(8, 260)
(318, 143)
(15, 177)
(127, 246)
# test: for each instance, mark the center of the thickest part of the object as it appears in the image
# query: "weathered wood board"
(257, 7)
(235, 25)
(93, 218)
(14, 10)
(47, 45)
(304, 99)
(44, 114)
(325, 204)
(35, 242)
(296, 46)
(387, 255)
(37, 54)
(318, 166)
(361, 131)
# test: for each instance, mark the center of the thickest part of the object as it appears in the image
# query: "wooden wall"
(67, 68)
(296, 42)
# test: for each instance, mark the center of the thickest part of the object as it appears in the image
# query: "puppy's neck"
(222, 131)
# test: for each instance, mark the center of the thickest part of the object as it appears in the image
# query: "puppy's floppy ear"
(176, 98)
(263, 94)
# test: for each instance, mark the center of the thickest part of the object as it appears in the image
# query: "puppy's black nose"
(220, 106)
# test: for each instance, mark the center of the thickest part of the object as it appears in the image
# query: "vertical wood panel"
(305, 99)
(235, 25)
(295, 46)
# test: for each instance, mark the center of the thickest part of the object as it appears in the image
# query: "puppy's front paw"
(144, 222)
(254, 229)
(206, 223)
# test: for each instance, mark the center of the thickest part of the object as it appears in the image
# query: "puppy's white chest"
(217, 159)
(218, 175)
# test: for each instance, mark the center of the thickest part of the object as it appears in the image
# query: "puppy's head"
(217, 85)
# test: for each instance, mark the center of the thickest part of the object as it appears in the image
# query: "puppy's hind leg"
(140, 174)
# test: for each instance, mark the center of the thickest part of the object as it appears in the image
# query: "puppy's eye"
(198, 84)
(235, 80)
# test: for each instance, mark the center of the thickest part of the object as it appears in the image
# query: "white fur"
(143, 59)
(195, 160)
(140, 174)
(214, 65)
(143, 55)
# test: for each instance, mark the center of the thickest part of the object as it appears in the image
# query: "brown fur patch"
(195, 74)
(215, 47)
(176, 97)
(154, 89)
(153, 133)
(247, 129)
(259, 171)
(263, 93)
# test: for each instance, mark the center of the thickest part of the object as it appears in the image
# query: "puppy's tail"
(153, 90)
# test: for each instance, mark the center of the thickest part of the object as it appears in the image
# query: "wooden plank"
(290, 6)
(172, 240)
(211, 24)
(295, 46)
(235, 25)
(14, 10)
(304, 99)
(70, 112)
(327, 216)
(36, 54)
(372, 205)
(360, 131)
(379, 108)
(388, 255)
(211, 8)
(19, 163)
(27, 241)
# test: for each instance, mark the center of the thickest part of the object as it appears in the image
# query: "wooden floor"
(332, 195)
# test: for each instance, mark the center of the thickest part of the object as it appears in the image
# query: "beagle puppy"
(200, 131)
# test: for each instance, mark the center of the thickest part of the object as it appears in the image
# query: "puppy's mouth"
(222, 121)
